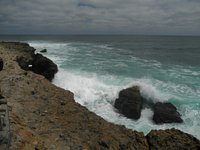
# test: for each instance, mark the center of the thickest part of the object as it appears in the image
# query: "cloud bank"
(176, 17)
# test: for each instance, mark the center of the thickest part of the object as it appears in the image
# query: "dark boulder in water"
(172, 139)
(43, 51)
(1, 64)
(44, 66)
(130, 102)
(166, 113)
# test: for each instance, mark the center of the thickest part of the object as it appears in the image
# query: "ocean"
(96, 67)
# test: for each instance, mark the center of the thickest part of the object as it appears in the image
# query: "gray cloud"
(100, 17)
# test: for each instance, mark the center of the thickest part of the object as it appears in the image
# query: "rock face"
(44, 66)
(1, 63)
(130, 102)
(166, 113)
(43, 51)
(36, 62)
(172, 139)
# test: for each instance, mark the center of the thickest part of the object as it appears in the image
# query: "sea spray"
(96, 71)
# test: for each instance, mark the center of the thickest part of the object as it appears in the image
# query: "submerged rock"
(130, 102)
(172, 139)
(43, 51)
(166, 113)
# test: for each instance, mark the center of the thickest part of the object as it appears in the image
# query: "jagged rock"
(43, 51)
(166, 113)
(38, 64)
(44, 66)
(172, 139)
(1, 64)
(130, 102)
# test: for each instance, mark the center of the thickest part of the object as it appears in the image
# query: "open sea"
(96, 68)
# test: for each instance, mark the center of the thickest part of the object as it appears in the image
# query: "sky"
(148, 17)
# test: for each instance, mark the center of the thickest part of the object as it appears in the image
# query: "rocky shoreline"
(45, 117)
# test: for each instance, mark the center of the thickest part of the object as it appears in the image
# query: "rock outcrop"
(172, 139)
(130, 102)
(166, 113)
(35, 62)
(44, 66)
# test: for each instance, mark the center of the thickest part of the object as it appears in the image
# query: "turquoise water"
(96, 68)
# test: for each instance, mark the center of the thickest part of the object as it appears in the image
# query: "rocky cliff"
(45, 117)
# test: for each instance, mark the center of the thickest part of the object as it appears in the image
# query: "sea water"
(96, 68)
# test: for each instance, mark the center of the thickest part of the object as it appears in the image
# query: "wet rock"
(130, 102)
(38, 64)
(166, 113)
(34, 62)
(44, 66)
(172, 139)
(43, 51)
(1, 64)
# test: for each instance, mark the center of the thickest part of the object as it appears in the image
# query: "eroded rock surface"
(29, 61)
(172, 139)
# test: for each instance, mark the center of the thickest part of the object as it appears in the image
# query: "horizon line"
(99, 35)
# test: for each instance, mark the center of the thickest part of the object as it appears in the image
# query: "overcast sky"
(171, 17)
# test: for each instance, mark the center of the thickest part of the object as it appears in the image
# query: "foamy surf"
(96, 74)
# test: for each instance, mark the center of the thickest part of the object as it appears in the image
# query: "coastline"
(43, 116)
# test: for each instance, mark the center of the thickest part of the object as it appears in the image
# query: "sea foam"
(98, 90)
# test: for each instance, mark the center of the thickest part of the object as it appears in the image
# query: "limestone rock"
(172, 139)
